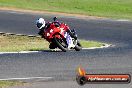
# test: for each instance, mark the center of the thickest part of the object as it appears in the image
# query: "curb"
(3, 33)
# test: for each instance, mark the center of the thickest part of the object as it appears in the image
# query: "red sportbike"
(56, 36)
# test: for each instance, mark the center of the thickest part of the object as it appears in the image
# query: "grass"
(105, 8)
(4, 84)
(9, 43)
(88, 44)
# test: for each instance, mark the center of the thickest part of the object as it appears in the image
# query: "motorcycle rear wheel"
(59, 44)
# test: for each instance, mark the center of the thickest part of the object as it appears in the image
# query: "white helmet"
(40, 23)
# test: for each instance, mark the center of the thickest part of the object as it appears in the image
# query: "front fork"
(72, 33)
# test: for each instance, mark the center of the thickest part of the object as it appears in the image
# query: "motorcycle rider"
(42, 26)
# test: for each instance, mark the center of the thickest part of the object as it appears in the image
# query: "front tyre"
(78, 46)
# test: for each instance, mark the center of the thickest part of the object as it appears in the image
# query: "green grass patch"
(4, 84)
(88, 44)
(105, 8)
(9, 43)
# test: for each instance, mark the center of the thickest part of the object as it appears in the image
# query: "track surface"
(62, 65)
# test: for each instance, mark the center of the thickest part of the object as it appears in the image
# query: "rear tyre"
(59, 44)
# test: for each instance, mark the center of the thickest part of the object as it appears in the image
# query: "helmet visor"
(39, 25)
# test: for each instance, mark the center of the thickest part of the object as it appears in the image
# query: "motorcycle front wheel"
(78, 46)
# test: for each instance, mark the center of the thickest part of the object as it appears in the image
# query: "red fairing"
(54, 31)
(63, 25)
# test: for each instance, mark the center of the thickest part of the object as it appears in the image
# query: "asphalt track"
(62, 65)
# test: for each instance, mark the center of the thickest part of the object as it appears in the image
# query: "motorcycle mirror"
(55, 18)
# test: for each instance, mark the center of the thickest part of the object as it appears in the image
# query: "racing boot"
(52, 46)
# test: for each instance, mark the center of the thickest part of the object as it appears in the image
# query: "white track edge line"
(19, 52)
(105, 46)
(26, 78)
